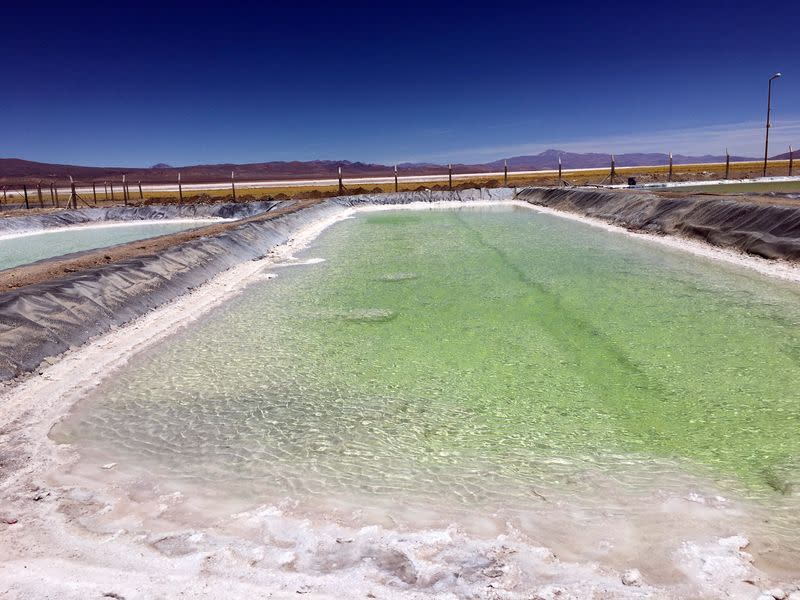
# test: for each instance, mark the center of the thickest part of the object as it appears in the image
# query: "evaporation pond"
(469, 357)
(31, 247)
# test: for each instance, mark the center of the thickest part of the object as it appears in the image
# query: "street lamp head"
(775, 76)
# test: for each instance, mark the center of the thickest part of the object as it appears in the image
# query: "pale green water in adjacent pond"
(25, 249)
(470, 355)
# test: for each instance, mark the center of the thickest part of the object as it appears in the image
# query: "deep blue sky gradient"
(134, 84)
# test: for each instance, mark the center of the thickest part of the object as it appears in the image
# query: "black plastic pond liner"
(135, 213)
(46, 319)
(770, 231)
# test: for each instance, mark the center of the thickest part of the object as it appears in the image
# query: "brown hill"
(15, 171)
(22, 171)
(785, 155)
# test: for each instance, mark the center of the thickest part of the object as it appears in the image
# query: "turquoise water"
(469, 357)
(22, 250)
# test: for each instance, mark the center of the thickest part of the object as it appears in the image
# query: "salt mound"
(399, 276)
(370, 315)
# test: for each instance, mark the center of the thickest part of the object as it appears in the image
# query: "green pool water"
(471, 355)
(25, 249)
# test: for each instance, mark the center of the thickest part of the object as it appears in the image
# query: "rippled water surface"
(466, 357)
(22, 250)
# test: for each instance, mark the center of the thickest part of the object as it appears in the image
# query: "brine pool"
(26, 248)
(483, 366)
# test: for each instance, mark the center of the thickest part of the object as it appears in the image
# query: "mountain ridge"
(24, 171)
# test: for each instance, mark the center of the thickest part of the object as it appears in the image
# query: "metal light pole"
(769, 112)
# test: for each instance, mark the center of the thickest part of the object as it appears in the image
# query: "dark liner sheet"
(770, 231)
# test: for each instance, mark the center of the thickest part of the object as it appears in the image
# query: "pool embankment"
(88, 216)
(763, 229)
(50, 307)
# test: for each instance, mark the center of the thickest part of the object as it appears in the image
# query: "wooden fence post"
(505, 172)
(396, 186)
(180, 190)
(25, 191)
(727, 163)
(39, 193)
(73, 196)
(94, 193)
(341, 186)
(669, 177)
(124, 191)
(105, 190)
(111, 183)
(233, 187)
(559, 170)
(612, 169)
(790, 161)
(141, 195)
(450, 176)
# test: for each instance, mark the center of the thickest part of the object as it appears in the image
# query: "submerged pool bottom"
(484, 365)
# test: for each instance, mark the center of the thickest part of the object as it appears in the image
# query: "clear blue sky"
(132, 84)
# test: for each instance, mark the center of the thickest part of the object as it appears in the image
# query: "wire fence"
(63, 194)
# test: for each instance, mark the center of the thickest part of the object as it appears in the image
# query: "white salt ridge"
(293, 262)
(399, 276)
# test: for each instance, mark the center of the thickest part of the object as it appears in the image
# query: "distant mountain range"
(14, 170)
(588, 160)
(785, 156)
